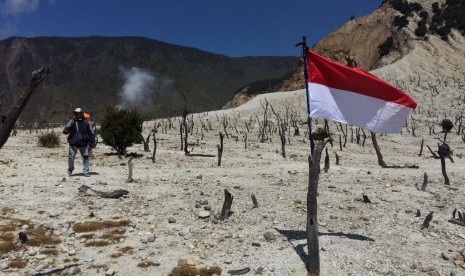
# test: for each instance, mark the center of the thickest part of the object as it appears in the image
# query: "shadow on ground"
(82, 174)
(293, 235)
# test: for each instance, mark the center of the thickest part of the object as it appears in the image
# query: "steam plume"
(138, 88)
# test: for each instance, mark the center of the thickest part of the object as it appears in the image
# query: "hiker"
(80, 137)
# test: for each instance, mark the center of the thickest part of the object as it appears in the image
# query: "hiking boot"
(70, 172)
(86, 174)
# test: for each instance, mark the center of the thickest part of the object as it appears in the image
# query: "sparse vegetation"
(400, 21)
(121, 129)
(320, 134)
(17, 263)
(49, 140)
(38, 237)
(145, 264)
(97, 243)
(186, 270)
(386, 47)
(422, 29)
(92, 226)
(446, 125)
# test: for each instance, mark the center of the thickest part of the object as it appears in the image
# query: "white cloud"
(12, 11)
(16, 7)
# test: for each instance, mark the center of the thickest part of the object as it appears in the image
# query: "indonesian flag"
(355, 97)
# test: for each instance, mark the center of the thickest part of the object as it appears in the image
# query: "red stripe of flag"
(334, 75)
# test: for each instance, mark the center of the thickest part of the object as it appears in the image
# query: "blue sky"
(229, 27)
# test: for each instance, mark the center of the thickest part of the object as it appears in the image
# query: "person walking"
(80, 137)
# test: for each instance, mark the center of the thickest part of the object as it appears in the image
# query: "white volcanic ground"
(172, 205)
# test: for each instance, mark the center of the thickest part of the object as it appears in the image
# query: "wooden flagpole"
(309, 121)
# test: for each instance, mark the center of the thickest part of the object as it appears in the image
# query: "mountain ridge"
(86, 71)
(366, 40)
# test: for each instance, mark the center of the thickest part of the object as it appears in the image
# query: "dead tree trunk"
(225, 127)
(337, 159)
(254, 201)
(180, 135)
(185, 130)
(425, 182)
(421, 147)
(220, 149)
(444, 151)
(8, 120)
(378, 151)
(154, 147)
(146, 143)
(326, 169)
(130, 167)
(427, 220)
(226, 210)
(282, 127)
(340, 142)
(312, 208)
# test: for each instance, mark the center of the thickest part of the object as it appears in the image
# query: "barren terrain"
(170, 215)
(159, 222)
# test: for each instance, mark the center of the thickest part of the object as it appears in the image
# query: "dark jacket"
(80, 133)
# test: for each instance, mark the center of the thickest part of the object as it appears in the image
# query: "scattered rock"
(32, 252)
(171, 220)
(151, 238)
(189, 261)
(270, 236)
(203, 214)
(88, 259)
(74, 270)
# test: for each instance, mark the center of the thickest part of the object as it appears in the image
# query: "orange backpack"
(87, 117)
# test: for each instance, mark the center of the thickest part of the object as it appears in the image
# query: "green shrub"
(444, 31)
(435, 8)
(416, 7)
(49, 140)
(320, 134)
(424, 15)
(421, 30)
(446, 125)
(386, 47)
(400, 21)
(433, 27)
(121, 128)
(402, 6)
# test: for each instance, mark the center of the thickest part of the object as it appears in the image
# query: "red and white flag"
(355, 97)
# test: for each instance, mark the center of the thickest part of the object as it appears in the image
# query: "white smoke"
(138, 88)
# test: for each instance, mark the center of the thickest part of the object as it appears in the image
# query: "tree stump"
(326, 169)
(254, 201)
(220, 149)
(444, 151)
(226, 210)
(130, 167)
(425, 182)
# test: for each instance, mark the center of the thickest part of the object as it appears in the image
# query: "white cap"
(78, 110)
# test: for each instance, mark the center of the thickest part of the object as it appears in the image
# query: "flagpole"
(309, 121)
